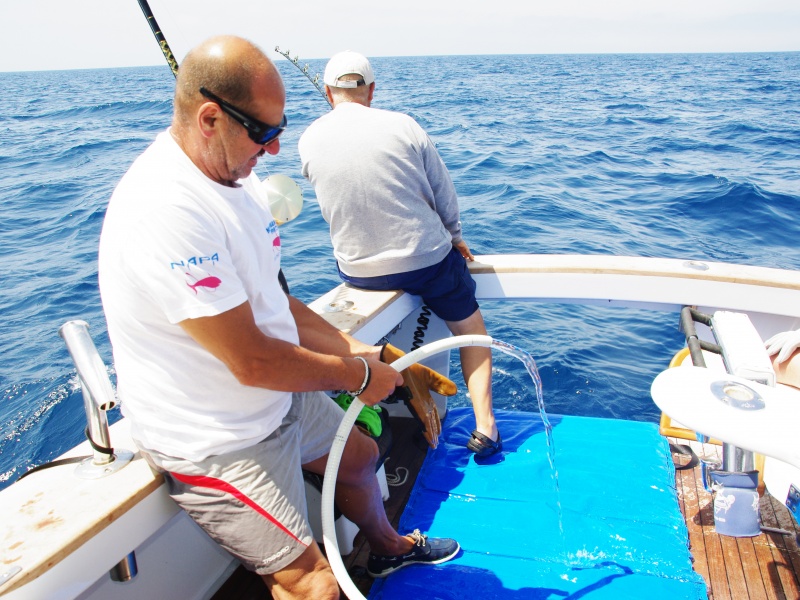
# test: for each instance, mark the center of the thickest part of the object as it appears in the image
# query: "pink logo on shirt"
(210, 282)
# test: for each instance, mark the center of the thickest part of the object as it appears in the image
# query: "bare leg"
(358, 495)
(309, 576)
(476, 365)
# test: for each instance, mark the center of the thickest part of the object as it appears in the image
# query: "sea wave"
(682, 156)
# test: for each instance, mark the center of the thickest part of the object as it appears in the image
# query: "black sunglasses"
(258, 131)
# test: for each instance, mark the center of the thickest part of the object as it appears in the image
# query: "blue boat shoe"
(426, 551)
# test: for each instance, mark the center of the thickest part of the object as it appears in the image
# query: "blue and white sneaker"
(426, 551)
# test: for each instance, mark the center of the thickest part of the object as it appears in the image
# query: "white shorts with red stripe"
(252, 501)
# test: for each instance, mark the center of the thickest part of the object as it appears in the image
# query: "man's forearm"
(320, 336)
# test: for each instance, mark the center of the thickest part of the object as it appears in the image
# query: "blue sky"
(68, 34)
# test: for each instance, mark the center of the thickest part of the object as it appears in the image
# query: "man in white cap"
(394, 219)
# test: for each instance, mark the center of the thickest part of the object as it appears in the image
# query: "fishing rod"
(304, 71)
(173, 64)
(162, 41)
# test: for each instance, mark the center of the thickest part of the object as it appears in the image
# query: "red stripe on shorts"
(224, 486)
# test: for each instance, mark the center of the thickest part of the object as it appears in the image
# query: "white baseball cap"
(348, 63)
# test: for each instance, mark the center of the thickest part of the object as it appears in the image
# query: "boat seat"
(671, 428)
(745, 356)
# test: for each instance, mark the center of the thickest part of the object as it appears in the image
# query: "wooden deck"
(764, 567)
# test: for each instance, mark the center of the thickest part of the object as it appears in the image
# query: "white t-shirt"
(176, 245)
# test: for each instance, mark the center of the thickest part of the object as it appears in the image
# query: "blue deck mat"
(614, 529)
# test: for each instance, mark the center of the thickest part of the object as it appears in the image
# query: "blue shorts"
(447, 288)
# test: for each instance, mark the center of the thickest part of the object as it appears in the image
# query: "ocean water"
(681, 156)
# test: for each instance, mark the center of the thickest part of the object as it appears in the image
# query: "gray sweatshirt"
(383, 188)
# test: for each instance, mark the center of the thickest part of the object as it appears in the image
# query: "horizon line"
(284, 59)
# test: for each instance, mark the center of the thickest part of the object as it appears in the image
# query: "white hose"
(335, 456)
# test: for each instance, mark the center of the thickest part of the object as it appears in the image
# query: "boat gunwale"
(597, 264)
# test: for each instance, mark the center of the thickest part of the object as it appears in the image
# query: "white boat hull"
(57, 561)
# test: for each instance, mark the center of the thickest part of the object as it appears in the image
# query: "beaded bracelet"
(365, 383)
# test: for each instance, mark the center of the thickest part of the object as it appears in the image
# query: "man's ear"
(371, 92)
(208, 115)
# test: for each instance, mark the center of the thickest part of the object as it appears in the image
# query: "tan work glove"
(420, 380)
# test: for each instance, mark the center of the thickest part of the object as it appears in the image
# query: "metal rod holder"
(98, 397)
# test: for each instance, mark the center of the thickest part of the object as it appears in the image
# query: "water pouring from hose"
(335, 455)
